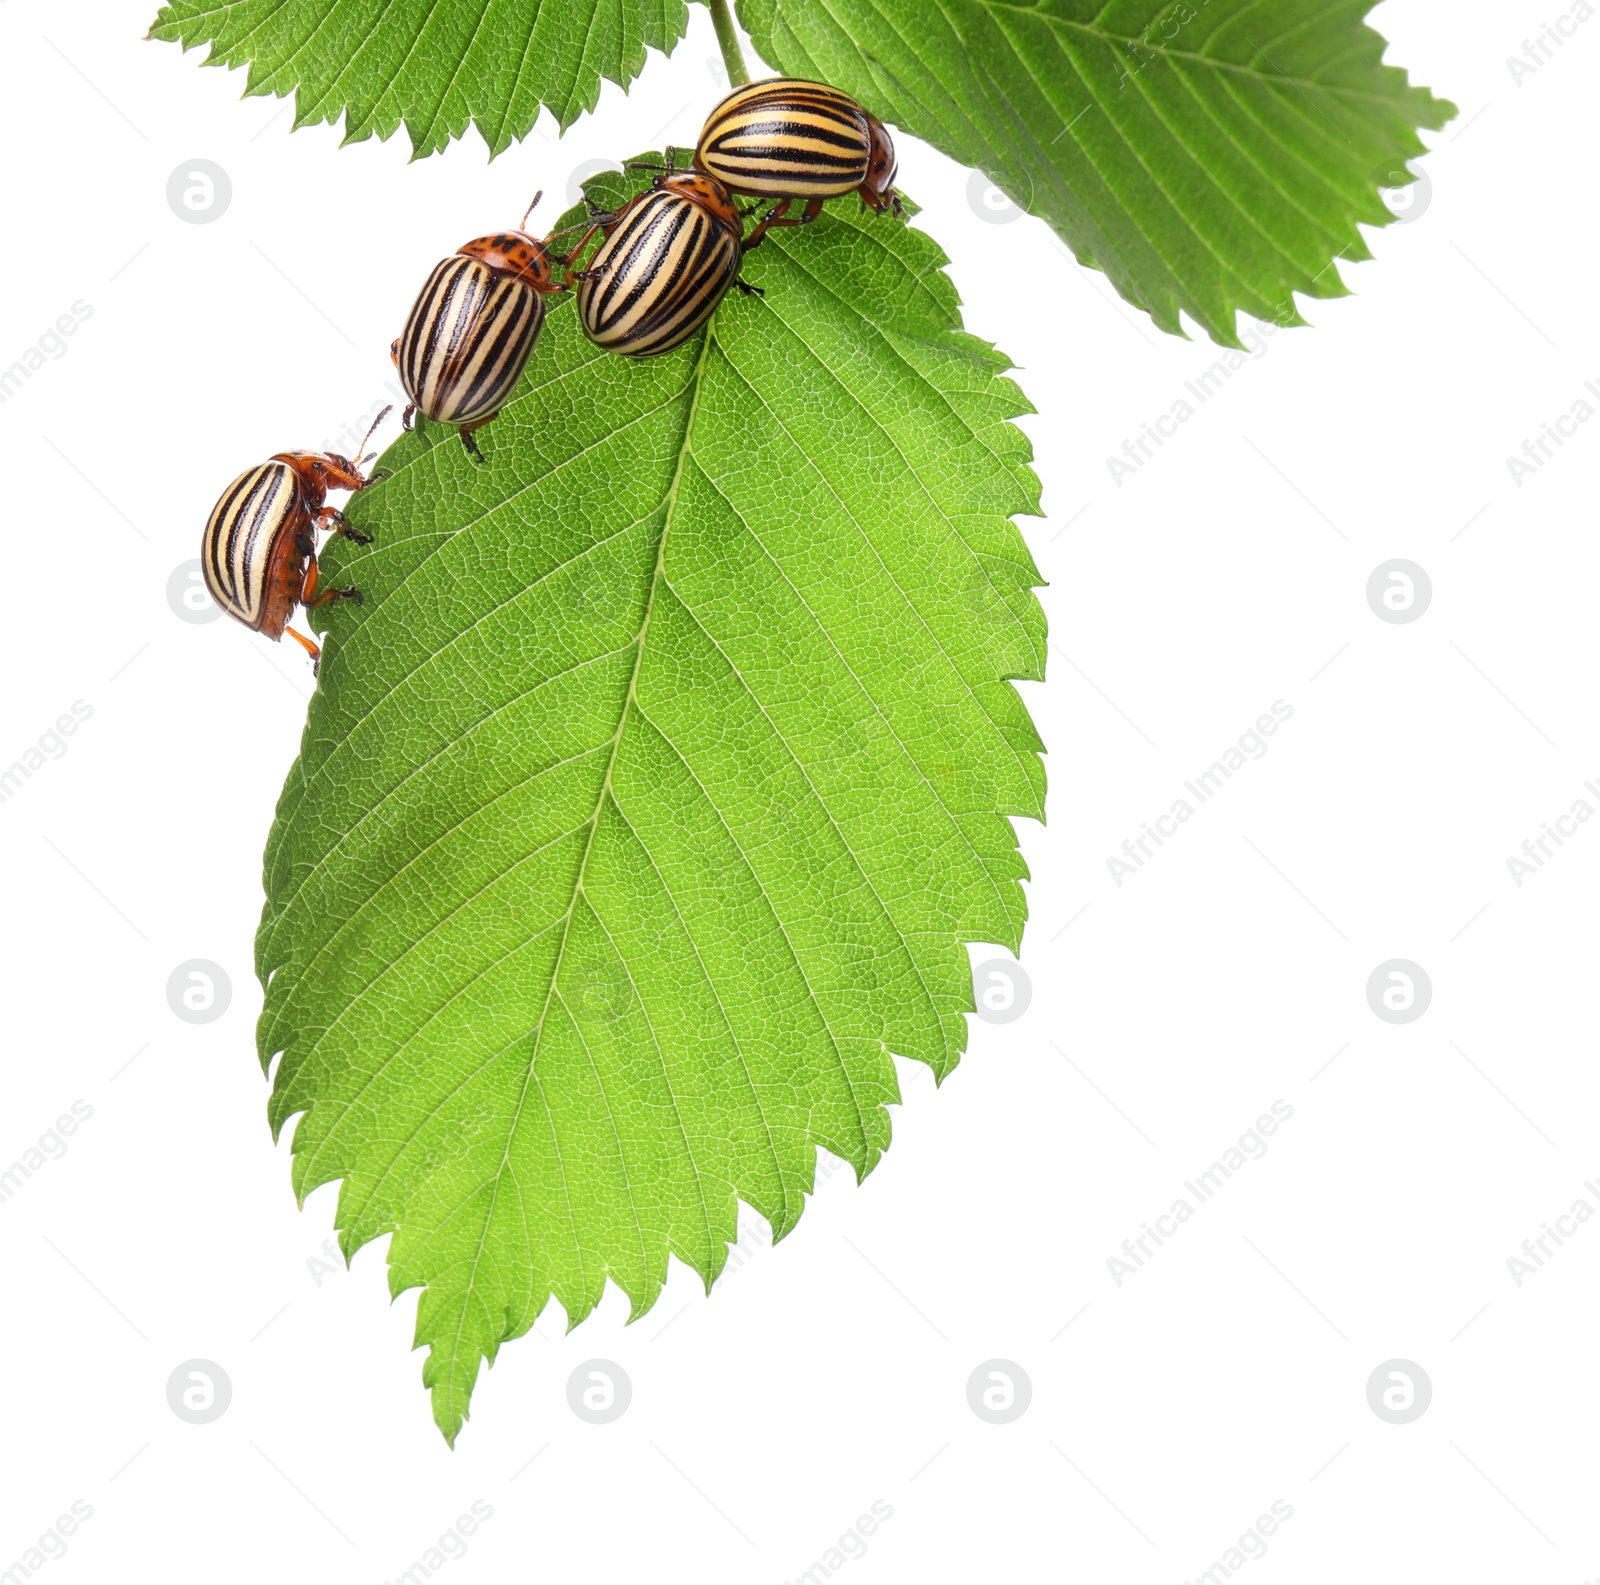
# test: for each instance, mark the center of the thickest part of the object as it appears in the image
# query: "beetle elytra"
(258, 551)
(472, 329)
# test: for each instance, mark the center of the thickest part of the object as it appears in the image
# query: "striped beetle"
(789, 139)
(472, 328)
(258, 552)
(669, 256)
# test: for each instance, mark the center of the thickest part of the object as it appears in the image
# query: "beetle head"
(877, 191)
(321, 471)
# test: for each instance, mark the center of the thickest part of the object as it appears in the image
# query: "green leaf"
(1211, 156)
(437, 67)
(648, 803)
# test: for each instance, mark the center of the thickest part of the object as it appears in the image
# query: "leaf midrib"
(697, 380)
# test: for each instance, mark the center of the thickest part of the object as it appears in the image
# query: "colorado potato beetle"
(472, 328)
(258, 552)
(668, 259)
(789, 139)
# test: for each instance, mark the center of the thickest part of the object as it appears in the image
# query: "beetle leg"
(749, 290)
(773, 217)
(313, 650)
(332, 518)
(407, 416)
(470, 443)
(309, 597)
(597, 222)
(349, 592)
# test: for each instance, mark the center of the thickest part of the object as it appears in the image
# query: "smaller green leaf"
(438, 68)
(1213, 157)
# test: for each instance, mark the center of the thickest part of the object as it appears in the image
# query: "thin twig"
(728, 40)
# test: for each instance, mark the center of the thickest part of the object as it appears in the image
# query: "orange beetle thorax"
(707, 192)
(321, 471)
(514, 253)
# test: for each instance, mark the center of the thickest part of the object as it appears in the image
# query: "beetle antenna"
(531, 207)
(368, 436)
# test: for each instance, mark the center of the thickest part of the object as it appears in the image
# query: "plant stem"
(728, 39)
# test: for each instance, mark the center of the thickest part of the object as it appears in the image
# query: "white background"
(1168, 1013)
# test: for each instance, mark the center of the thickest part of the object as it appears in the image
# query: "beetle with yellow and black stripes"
(793, 140)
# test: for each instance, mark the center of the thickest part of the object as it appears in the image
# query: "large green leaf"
(436, 65)
(649, 801)
(1211, 156)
